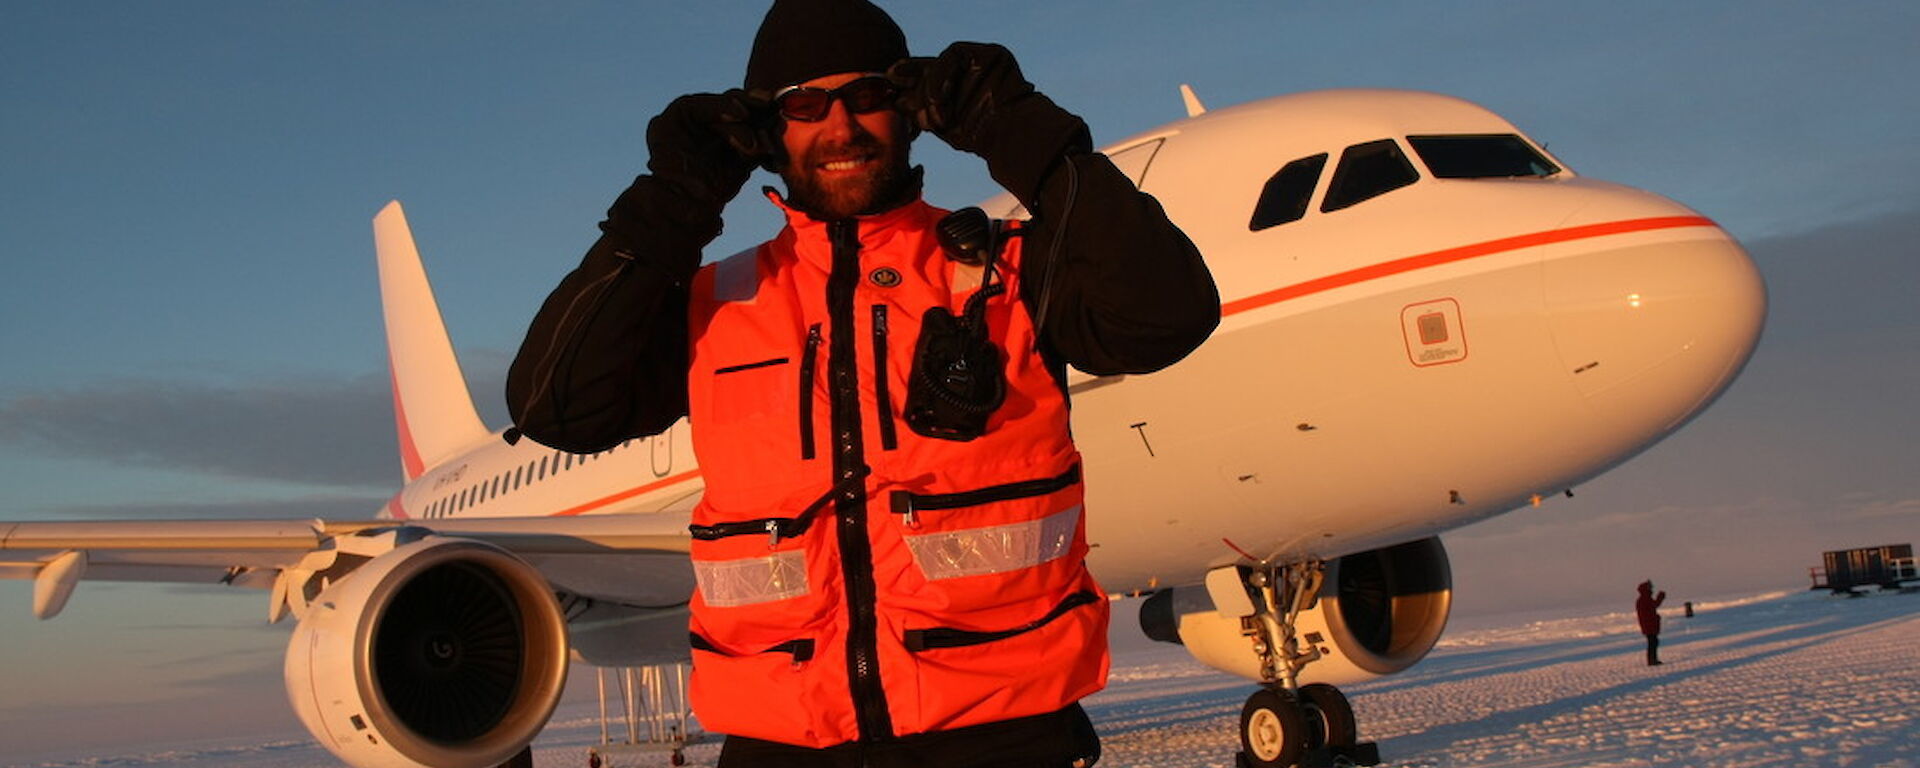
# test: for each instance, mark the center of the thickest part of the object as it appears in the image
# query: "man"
(1648, 609)
(890, 548)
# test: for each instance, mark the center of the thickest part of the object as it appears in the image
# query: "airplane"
(1428, 320)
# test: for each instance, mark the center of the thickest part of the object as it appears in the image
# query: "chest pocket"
(750, 391)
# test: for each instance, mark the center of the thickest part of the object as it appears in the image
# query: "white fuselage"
(1426, 358)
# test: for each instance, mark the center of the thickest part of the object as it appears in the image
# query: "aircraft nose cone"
(1654, 326)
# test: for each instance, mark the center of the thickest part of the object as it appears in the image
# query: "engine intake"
(441, 652)
(1377, 613)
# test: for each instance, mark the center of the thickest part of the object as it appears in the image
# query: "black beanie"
(804, 39)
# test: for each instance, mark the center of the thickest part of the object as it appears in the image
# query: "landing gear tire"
(1329, 718)
(1273, 730)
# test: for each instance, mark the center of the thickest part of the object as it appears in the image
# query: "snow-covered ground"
(1785, 679)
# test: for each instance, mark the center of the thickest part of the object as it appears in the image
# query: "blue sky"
(192, 326)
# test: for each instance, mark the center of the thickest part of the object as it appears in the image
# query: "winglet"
(1194, 107)
(431, 404)
(55, 582)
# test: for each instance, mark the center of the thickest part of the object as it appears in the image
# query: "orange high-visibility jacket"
(856, 579)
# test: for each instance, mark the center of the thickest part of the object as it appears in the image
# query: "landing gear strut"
(1285, 724)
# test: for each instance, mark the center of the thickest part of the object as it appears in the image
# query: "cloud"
(1568, 554)
(336, 433)
(1841, 279)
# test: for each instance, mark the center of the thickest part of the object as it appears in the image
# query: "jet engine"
(439, 652)
(1376, 613)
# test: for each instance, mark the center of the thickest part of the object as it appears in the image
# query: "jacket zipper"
(947, 637)
(777, 528)
(883, 402)
(849, 461)
(806, 393)
(904, 503)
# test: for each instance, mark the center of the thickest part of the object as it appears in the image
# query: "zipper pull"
(902, 505)
(859, 476)
(773, 533)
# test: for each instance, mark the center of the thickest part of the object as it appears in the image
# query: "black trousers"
(1052, 740)
(1653, 650)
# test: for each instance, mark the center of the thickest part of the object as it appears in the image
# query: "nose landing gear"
(1285, 724)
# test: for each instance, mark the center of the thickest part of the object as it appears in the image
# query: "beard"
(884, 183)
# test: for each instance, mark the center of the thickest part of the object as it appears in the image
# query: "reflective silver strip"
(729, 583)
(995, 548)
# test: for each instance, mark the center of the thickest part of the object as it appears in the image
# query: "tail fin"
(431, 404)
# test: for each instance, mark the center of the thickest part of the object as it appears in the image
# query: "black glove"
(707, 144)
(974, 98)
(701, 148)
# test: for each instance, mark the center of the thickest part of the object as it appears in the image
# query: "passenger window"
(1368, 171)
(1491, 156)
(1285, 197)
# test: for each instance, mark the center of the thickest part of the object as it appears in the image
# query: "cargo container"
(1888, 566)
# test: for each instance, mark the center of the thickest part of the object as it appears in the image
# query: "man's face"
(845, 164)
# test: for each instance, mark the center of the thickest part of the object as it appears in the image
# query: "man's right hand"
(707, 144)
(701, 149)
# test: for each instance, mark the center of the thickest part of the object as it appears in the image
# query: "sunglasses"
(808, 104)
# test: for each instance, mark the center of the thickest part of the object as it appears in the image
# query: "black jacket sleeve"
(606, 356)
(1116, 286)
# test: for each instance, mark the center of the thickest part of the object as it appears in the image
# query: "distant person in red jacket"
(1648, 606)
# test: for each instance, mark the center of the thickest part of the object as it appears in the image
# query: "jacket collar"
(810, 238)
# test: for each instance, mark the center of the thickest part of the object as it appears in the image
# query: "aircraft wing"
(571, 551)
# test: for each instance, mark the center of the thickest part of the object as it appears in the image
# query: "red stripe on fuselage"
(1461, 253)
(628, 494)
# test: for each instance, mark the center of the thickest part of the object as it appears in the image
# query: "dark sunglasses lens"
(867, 94)
(805, 104)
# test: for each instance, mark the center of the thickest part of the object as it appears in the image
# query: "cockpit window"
(1481, 157)
(1368, 171)
(1285, 197)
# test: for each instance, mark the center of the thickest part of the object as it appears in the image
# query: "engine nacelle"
(1376, 613)
(441, 652)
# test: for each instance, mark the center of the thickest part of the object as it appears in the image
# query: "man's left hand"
(957, 95)
(974, 97)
